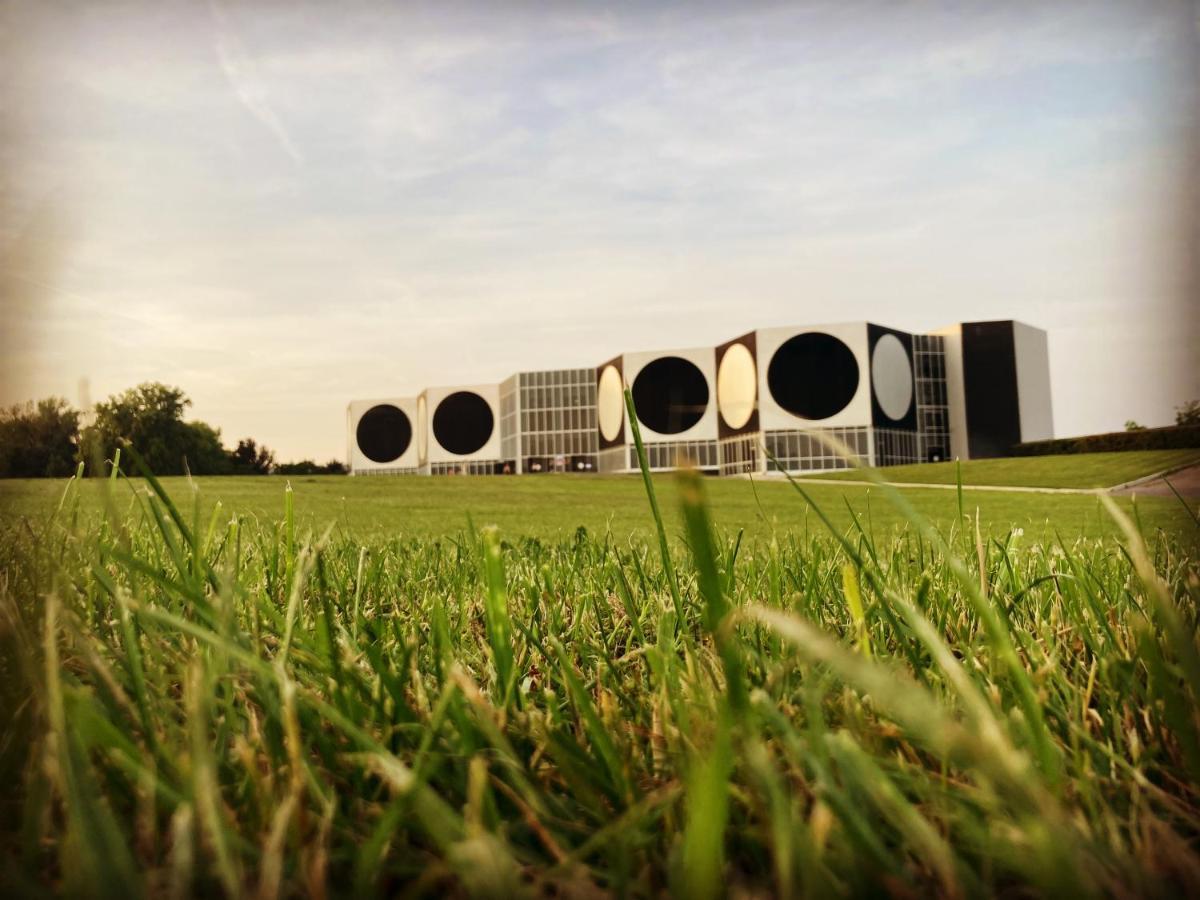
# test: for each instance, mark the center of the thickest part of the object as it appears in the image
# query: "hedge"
(1175, 437)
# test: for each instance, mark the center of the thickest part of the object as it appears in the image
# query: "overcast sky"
(282, 208)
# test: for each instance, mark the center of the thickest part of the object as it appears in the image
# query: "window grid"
(895, 448)
(933, 411)
(664, 455)
(807, 450)
(397, 470)
(739, 454)
(555, 416)
(468, 467)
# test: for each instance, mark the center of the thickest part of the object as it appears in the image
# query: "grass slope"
(204, 705)
(1078, 470)
(549, 506)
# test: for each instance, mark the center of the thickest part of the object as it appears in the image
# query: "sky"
(284, 207)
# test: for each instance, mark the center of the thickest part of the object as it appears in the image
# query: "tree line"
(47, 438)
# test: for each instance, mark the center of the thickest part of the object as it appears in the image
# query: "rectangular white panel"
(1033, 382)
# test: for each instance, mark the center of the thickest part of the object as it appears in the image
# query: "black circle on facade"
(383, 433)
(463, 422)
(670, 395)
(813, 375)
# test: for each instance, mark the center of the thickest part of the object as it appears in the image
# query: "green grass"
(1079, 470)
(201, 700)
(554, 506)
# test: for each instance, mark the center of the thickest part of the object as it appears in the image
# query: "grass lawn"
(1076, 470)
(550, 506)
(235, 709)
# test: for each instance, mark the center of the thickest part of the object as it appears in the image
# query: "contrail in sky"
(248, 87)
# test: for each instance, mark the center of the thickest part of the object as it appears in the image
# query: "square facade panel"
(458, 424)
(382, 435)
(674, 393)
(813, 377)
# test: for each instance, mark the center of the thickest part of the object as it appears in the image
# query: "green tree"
(248, 458)
(150, 417)
(38, 440)
(308, 467)
(203, 450)
(1131, 425)
(1188, 413)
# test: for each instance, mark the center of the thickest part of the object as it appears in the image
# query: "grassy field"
(554, 506)
(203, 701)
(1078, 470)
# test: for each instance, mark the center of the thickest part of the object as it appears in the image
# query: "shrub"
(1176, 437)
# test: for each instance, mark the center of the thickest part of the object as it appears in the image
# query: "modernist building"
(797, 399)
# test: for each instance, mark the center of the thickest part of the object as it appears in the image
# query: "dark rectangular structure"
(990, 387)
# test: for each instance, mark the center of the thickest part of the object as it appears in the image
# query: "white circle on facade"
(892, 378)
(610, 404)
(737, 386)
(422, 430)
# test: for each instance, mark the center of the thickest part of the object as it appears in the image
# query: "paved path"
(1186, 481)
(999, 488)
